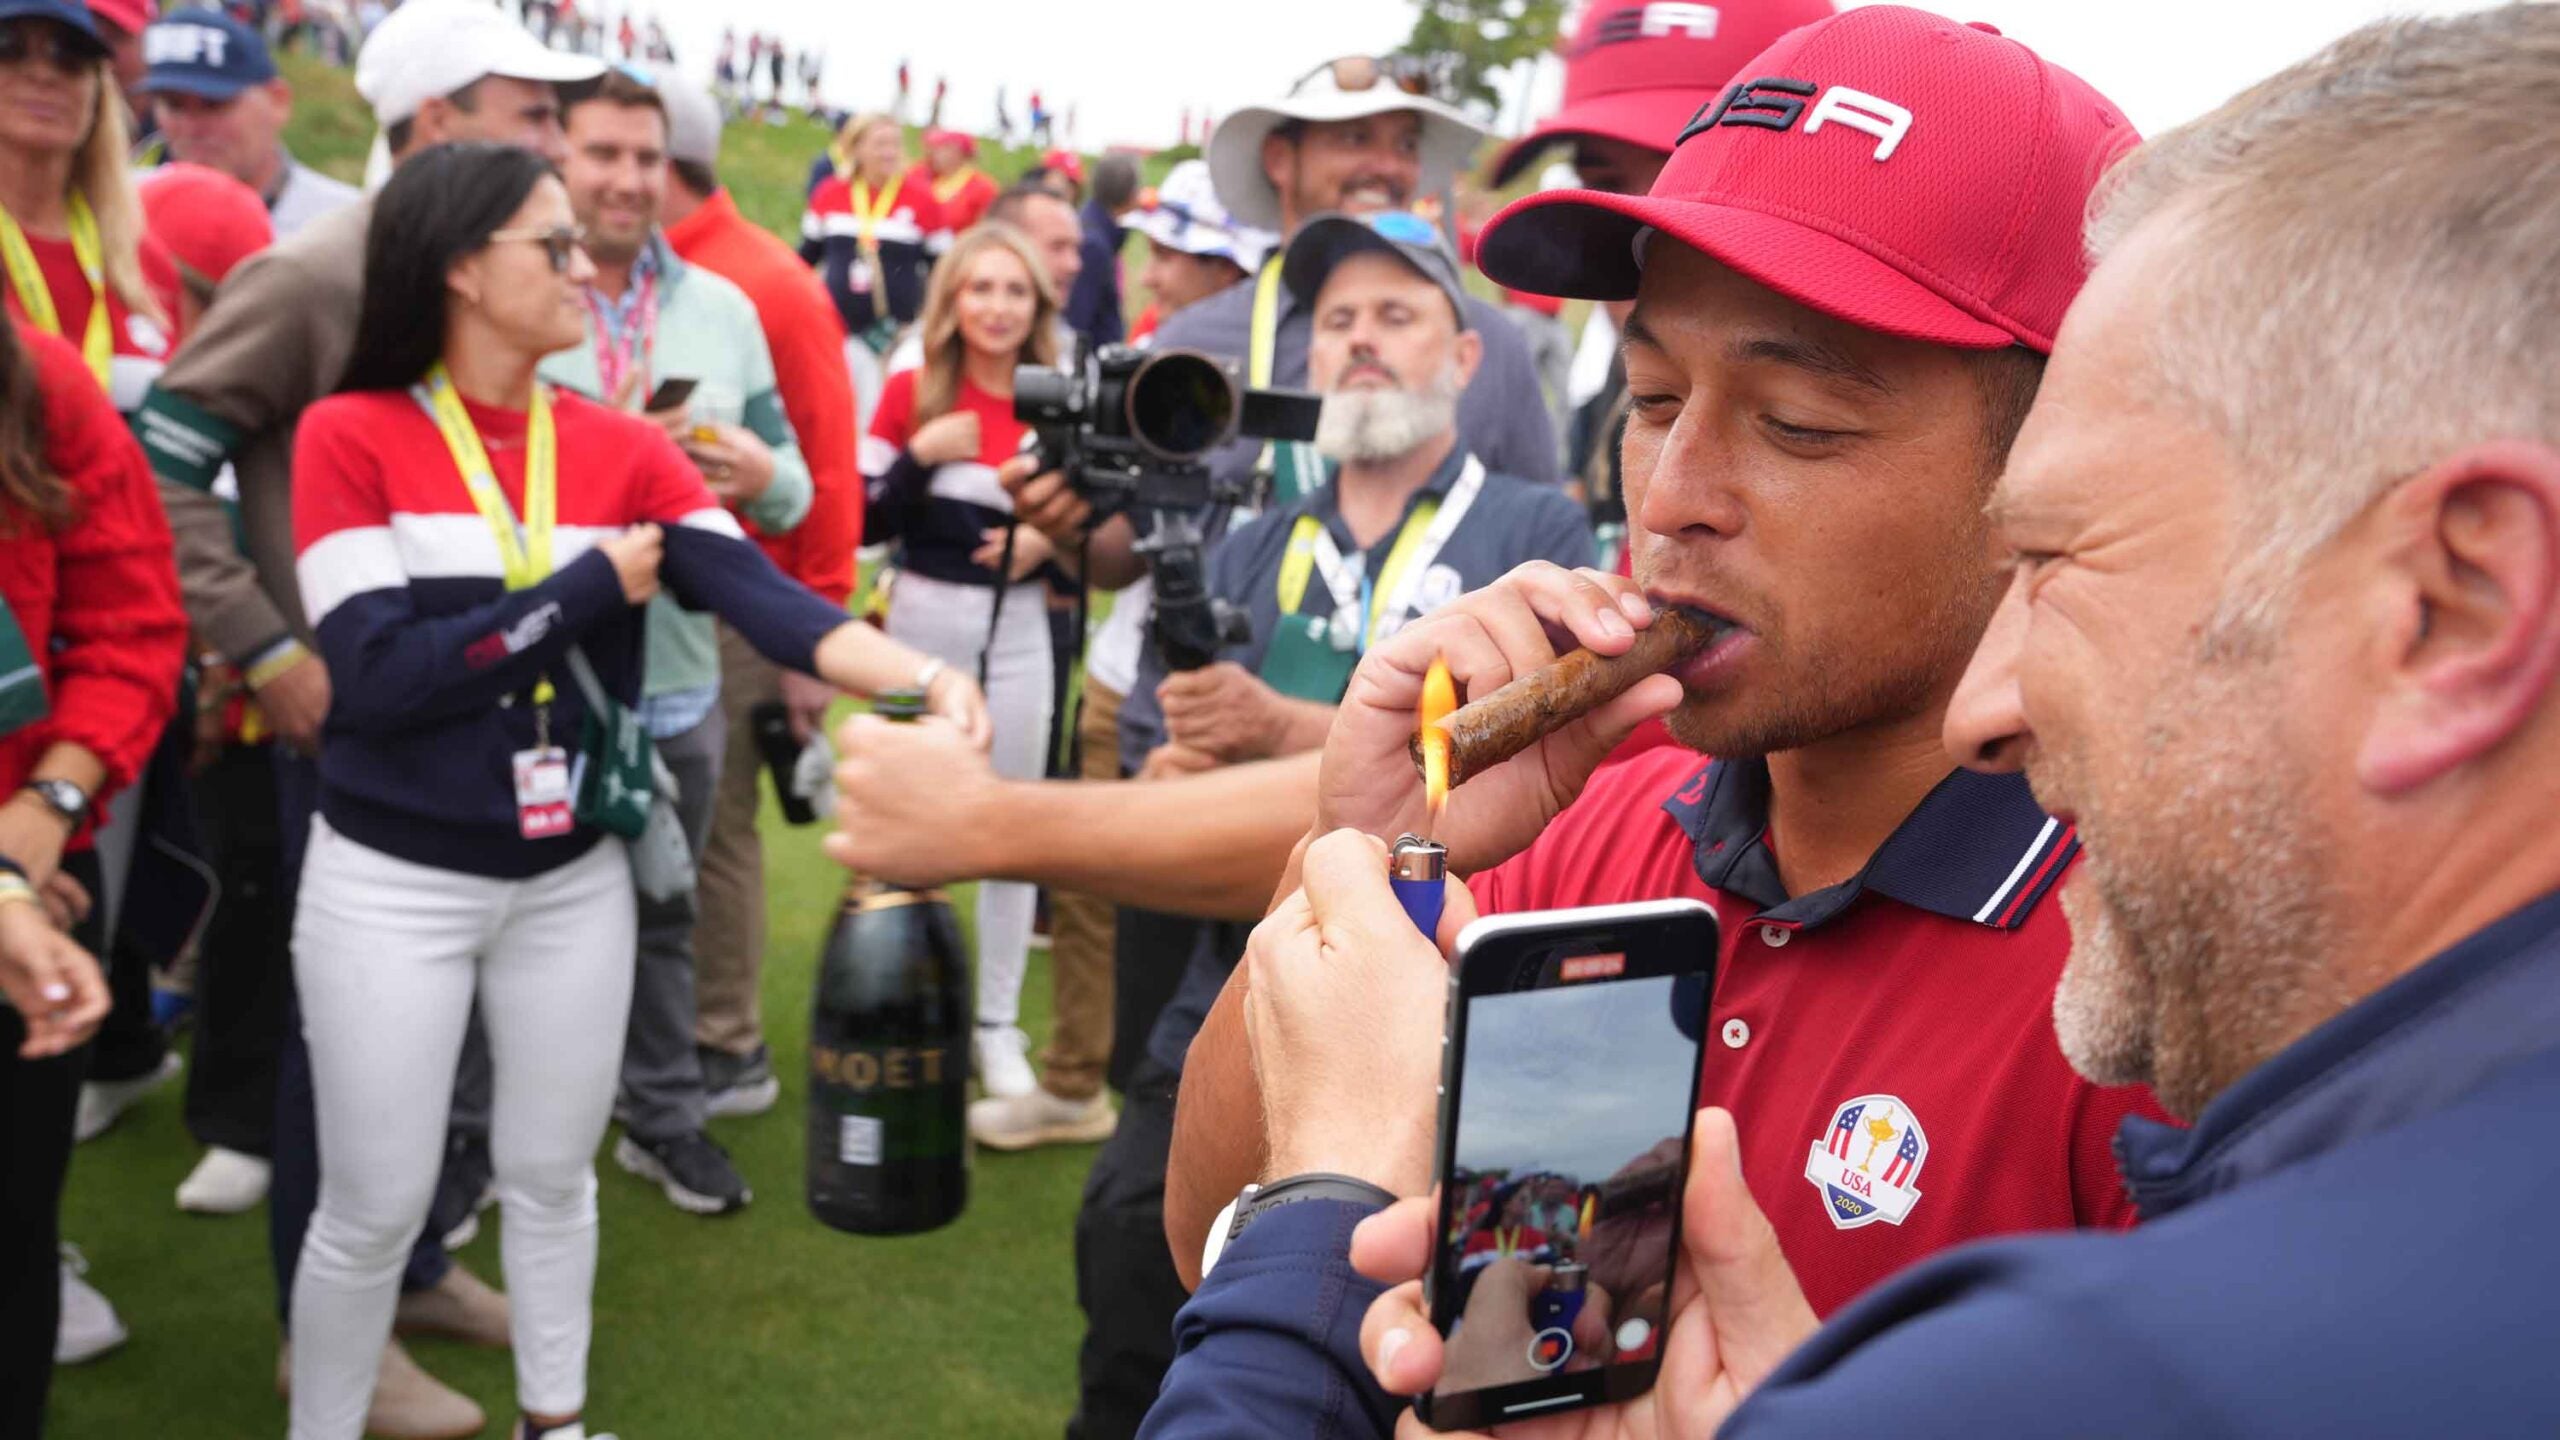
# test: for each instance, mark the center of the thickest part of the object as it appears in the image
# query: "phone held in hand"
(1568, 1086)
(671, 393)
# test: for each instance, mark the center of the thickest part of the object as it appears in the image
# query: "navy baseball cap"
(70, 14)
(204, 53)
(1327, 240)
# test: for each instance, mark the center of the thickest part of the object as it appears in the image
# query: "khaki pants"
(728, 929)
(1080, 933)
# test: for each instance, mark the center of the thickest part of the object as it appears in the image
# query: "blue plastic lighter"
(1418, 871)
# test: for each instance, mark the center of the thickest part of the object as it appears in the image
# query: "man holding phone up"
(1846, 279)
(652, 319)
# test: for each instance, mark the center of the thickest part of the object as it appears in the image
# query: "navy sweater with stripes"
(433, 662)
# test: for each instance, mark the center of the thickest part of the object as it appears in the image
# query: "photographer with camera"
(1406, 519)
(939, 434)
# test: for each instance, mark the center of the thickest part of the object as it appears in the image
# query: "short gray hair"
(2369, 267)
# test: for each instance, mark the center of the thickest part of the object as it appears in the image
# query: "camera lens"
(1180, 404)
(1042, 396)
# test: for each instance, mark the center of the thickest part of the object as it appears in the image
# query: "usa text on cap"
(1888, 167)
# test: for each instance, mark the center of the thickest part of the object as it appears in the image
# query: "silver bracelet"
(926, 674)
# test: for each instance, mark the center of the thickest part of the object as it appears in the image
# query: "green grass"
(759, 1324)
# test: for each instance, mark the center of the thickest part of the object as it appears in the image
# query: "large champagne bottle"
(889, 1034)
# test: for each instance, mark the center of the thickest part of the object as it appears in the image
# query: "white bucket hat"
(1185, 215)
(1235, 148)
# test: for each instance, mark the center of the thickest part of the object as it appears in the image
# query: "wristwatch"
(63, 798)
(1255, 1201)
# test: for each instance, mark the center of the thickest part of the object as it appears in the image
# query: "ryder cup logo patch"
(1866, 1164)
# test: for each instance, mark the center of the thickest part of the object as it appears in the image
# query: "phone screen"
(1561, 1187)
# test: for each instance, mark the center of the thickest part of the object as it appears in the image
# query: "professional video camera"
(1130, 428)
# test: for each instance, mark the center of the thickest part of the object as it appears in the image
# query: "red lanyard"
(619, 348)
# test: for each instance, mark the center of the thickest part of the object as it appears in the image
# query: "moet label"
(886, 1067)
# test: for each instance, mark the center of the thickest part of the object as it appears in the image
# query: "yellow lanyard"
(867, 215)
(97, 346)
(524, 556)
(1300, 562)
(1265, 341)
(953, 183)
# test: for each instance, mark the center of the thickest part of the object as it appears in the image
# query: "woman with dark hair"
(474, 550)
(71, 229)
(91, 640)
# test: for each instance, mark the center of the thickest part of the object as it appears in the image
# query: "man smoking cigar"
(1836, 334)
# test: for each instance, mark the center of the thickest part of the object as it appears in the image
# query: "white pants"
(950, 621)
(388, 956)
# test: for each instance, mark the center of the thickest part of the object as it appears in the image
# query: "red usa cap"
(1636, 70)
(1886, 166)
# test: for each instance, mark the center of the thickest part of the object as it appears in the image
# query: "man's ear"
(2475, 566)
(1280, 161)
(431, 124)
(1467, 354)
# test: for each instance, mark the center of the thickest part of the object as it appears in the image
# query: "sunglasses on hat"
(1404, 227)
(1351, 74)
(559, 242)
(33, 38)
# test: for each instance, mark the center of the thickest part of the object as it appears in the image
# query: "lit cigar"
(1484, 733)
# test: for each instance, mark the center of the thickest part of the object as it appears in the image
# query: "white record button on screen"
(1633, 1334)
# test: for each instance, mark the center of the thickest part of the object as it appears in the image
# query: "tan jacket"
(276, 339)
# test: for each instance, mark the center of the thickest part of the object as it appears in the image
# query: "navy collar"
(1978, 848)
(1326, 503)
(2410, 1048)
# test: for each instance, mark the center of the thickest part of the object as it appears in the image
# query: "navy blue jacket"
(1093, 306)
(2351, 1241)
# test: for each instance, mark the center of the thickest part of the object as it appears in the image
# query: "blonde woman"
(939, 433)
(866, 227)
(71, 231)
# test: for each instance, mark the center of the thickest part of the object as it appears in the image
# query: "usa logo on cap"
(1866, 1163)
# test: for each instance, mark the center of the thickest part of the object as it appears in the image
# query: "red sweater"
(807, 341)
(98, 601)
(142, 345)
(430, 655)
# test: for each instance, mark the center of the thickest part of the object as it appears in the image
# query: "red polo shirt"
(807, 341)
(1886, 1045)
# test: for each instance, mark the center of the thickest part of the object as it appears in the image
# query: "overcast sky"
(1578, 1080)
(1130, 67)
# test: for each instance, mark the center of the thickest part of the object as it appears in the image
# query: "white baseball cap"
(1185, 215)
(1235, 147)
(693, 119)
(428, 48)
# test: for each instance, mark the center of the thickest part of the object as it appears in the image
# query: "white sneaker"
(102, 1102)
(224, 1182)
(89, 1325)
(1004, 1061)
(572, 1432)
(1019, 1122)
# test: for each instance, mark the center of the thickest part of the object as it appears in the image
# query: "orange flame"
(1439, 699)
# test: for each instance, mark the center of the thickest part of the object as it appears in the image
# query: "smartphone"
(670, 394)
(1571, 1073)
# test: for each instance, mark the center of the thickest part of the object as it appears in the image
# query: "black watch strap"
(1316, 1185)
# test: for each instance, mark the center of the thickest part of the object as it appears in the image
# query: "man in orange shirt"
(807, 341)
